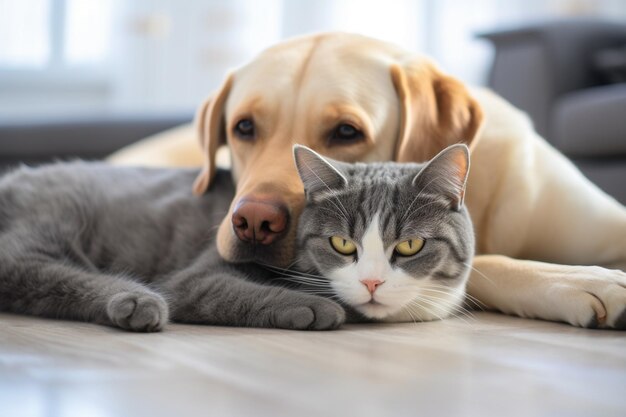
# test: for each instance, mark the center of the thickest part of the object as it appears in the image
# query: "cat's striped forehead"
(379, 172)
(384, 190)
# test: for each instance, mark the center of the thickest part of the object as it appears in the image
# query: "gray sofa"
(89, 137)
(554, 72)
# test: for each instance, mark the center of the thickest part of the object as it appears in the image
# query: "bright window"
(24, 33)
(87, 31)
(45, 34)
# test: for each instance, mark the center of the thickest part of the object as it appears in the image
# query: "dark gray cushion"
(610, 64)
(569, 46)
(537, 63)
(591, 122)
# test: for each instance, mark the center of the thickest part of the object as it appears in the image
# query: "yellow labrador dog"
(355, 98)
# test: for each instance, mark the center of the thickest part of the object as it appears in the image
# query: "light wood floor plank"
(483, 365)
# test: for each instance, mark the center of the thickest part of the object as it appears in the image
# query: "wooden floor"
(483, 365)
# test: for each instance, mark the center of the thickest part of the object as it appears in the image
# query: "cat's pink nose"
(372, 284)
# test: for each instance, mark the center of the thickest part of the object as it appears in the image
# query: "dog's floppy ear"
(211, 133)
(436, 111)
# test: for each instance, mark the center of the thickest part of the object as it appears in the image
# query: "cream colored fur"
(534, 214)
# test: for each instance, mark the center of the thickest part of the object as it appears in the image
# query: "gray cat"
(132, 248)
(391, 241)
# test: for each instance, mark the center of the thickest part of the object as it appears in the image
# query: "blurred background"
(68, 56)
(114, 71)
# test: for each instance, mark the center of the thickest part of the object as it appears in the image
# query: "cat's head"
(394, 240)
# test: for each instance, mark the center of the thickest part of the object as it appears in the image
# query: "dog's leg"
(542, 208)
(572, 220)
(586, 296)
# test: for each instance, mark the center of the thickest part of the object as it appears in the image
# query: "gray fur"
(132, 248)
(424, 200)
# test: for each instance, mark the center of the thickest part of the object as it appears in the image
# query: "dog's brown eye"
(345, 133)
(245, 128)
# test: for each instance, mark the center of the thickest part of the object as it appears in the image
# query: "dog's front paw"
(138, 311)
(310, 312)
(594, 297)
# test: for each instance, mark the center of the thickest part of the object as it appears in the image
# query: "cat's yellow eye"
(342, 245)
(409, 247)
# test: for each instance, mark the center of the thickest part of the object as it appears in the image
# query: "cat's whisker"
(466, 316)
(331, 211)
(308, 284)
(343, 213)
(473, 303)
(296, 274)
(408, 210)
(306, 275)
(340, 299)
(476, 304)
(313, 279)
(287, 268)
(296, 278)
(324, 291)
(400, 289)
(318, 292)
(412, 314)
(343, 209)
(469, 297)
(457, 310)
(321, 293)
(286, 271)
(305, 280)
(274, 268)
(431, 303)
(489, 280)
(304, 286)
(299, 279)
(407, 214)
(417, 309)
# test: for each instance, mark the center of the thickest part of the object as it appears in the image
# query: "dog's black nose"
(259, 220)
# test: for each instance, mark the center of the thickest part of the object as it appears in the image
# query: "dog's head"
(347, 97)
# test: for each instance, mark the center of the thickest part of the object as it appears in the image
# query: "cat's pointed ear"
(317, 174)
(446, 174)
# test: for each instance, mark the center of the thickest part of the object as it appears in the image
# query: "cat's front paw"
(307, 312)
(594, 297)
(138, 311)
